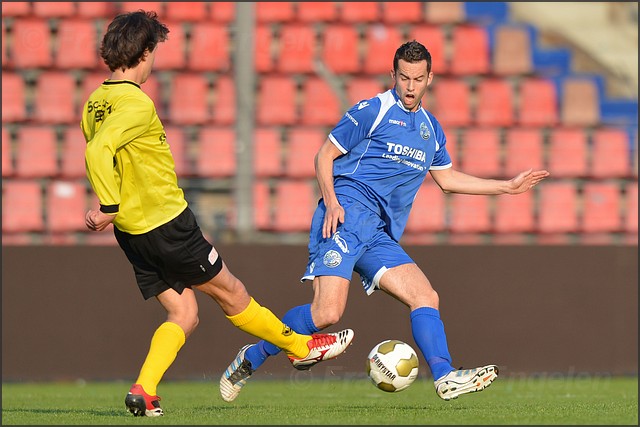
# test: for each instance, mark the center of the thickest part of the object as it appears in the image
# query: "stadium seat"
(320, 103)
(57, 9)
(450, 12)
(55, 98)
(538, 103)
(22, 203)
(189, 99)
(453, 142)
(358, 12)
(557, 208)
(524, 149)
(514, 213)
(132, 6)
(262, 205)
(610, 151)
(359, 88)
(224, 103)
(480, 152)
(274, 11)
(263, 55)
(469, 214)
(295, 202)
(512, 54)
(15, 9)
(76, 44)
(568, 153)
(601, 207)
(494, 105)
(66, 206)
(153, 90)
(209, 47)
(382, 41)
(339, 48)
(190, 11)
(402, 12)
(98, 9)
(36, 153)
(428, 210)
(434, 39)
(216, 153)
(579, 103)
(631, 207)
(470, 50)
(90, 82)
(267, 153)
(276, 100)
(5, 57)
(296, 52)
(222, 11)
(72, 163)
(316, 11)
(14, 107)
(7, 153)
(177, 140)
(31, 43)
(452, 102)
(302, 145)
(173, 54)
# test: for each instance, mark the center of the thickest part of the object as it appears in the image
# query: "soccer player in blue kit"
(369, 171)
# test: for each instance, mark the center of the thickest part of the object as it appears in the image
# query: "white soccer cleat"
(323, 347)
(236, 376)
(465, 381)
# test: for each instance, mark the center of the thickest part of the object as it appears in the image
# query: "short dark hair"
(412, 51)
(129, 36)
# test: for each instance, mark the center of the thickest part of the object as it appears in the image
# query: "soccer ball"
(392, 365)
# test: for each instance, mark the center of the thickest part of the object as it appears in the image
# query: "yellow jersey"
(128, 160)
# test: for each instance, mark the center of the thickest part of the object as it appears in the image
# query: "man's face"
(411, 82)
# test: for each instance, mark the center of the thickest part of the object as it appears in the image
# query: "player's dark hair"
(129, 37)
(412, 51)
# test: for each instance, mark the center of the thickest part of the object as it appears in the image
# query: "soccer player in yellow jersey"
(131, 170)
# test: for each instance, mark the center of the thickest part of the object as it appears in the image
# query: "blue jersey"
(387, 152)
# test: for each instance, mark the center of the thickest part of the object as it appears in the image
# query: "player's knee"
(327, 317)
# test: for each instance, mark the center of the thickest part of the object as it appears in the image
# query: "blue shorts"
(360, 244)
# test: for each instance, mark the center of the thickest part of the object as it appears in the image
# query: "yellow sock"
(261, 322)
(165, 344)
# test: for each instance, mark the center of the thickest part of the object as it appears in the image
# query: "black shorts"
(175, 255)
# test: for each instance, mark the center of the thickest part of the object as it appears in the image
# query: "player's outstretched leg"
(464, 381)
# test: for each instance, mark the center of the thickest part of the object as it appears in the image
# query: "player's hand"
(526, 180)
(333, 216)
(96, 220)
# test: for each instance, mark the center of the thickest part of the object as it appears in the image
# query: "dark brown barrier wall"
(72, 313)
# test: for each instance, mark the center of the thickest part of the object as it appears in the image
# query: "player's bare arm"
(453, 181)
(324, 174)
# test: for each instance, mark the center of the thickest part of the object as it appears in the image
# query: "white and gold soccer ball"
(392, 365)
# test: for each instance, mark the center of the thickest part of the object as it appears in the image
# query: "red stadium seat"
(224, 104)
(192, 11)
(267, 153)
(568, 153)
(262, 205)
(5, 57)
(177, 141)
(209, 47)
(263, 55)
(580, 102)
(402, 12)
(21, 206)
(434, 39)
(36, 154)
(538, 103)
(173, 53)
(31, 43)
(276, 11)
(480, 152)
(631, 207)
(277, 101)
(72, 158)
(11, 8)
(452, 102)
(303, 144)
(320, 103)
(340, 48)
(469, 214)
(524, 149)
(66, 206)
(77, 44)
(356, 12)
(216, 156)
(295, 202)
(316, 11)
(470, 50)
(495, 103)
(512, 51)
(297, 45)
(7, 153)
(97, 9)
(601, 207)
(450, 12)
(610, 154)
(222, 11)
(359, 88)
(55, 98)
(188, 99)
(428, 213)
(514, 213)
(57, 9)
(382, 41)
(153, 90)
(132, 6)
(557, 208)
(89, 83)
(14, 107)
